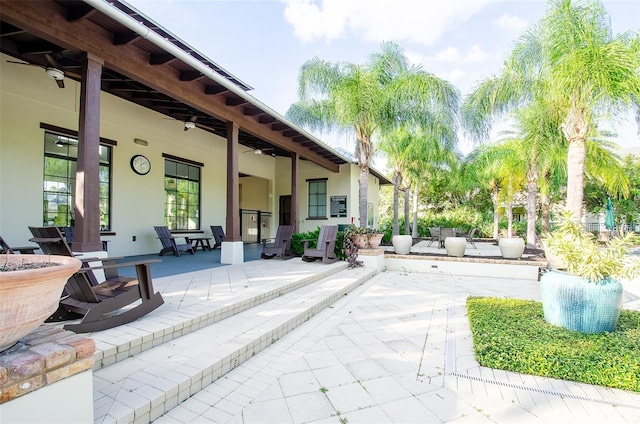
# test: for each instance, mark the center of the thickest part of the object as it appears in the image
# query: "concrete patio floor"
(397, 349)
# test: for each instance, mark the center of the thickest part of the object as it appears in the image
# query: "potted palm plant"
(587, 295)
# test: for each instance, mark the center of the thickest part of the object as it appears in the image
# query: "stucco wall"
(28, 98)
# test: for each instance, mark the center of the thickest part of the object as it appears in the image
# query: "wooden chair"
(281, 245)
(51, 241)
(325, 246)
(98, 303)
(24, 250)
(218, 235)
(470, 237)
(169, 242)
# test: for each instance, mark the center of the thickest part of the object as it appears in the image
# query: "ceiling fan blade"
(60, 83)
(23, 63)
(52, 61)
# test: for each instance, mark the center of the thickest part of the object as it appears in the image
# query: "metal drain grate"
(546, 392)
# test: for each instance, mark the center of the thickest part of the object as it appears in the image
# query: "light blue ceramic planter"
(571, 302)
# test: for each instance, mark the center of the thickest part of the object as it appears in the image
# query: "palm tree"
(382, 94)
(572, 61)
(498, 167)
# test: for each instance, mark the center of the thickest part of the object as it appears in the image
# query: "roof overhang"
(63, 32)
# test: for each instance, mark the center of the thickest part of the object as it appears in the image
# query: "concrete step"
(146, 385)
(169, 322)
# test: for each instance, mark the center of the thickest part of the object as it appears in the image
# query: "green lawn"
(511, 334)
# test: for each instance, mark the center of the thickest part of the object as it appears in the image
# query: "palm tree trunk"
(397, 180)
(364, 188)
(575, 128)
(509, 218)
(532, 193)
(496, 214)
(414, 233)
(407, 206)
(545, 212)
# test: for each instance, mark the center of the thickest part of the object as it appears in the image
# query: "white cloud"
(418, 21)
(511, 23)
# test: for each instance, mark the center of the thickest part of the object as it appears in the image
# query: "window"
(181, 195)
(317, 198)
(60, 159)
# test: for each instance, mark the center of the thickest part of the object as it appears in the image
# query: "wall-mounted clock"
(140, 165)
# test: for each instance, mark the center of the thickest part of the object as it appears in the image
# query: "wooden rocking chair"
(281, 245)
(93, 301)
(324, 248)
(169, 242)
(24, 250)
(97, 302)
(218, 235)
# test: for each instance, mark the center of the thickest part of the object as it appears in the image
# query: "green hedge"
(512, 335)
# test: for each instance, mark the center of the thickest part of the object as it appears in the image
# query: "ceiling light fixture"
(189, 125)
(55, 73)
(257, 152)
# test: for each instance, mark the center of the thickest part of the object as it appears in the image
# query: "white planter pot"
(402, 244)
(511, 247)
(455, 246)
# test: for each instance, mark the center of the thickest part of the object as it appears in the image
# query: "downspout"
(171, 48)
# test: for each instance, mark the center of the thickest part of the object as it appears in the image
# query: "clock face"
(140, 165)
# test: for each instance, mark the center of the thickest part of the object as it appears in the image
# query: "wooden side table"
(203, 242)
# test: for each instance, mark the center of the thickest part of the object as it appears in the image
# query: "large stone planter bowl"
(511, 247)
(402, 244)
(574, 303)
(455, 246)
(375, 240)
(28, 297)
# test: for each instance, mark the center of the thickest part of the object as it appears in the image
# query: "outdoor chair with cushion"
(324, 247)
(5, 248)
(218, 235)
(470, 237)
(169, 244)
(281, 245)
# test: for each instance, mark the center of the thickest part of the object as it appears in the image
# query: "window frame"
(188, 181)
(317, 196)
(55, 131)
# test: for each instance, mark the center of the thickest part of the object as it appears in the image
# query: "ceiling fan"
(259, 151)
(54, 70)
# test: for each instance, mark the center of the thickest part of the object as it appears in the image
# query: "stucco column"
(87, 210)
(295, 171)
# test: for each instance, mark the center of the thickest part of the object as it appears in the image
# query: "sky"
(265, 42)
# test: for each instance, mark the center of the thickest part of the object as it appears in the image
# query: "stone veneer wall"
(47, 355)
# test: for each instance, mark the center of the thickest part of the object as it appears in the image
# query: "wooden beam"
(121, 38)
(190, 75)
(279, 126)
(79, 11)
(214, 89)
(235, 101)
(161, 58)
(233, 190)
(266, 119)
(87, 212)
(47, 20)
(252, 111)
